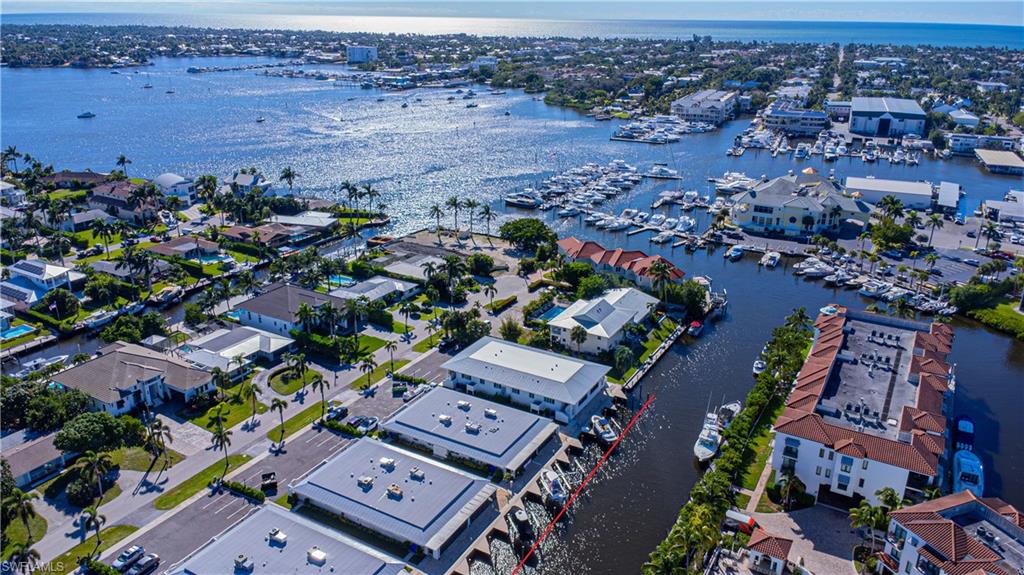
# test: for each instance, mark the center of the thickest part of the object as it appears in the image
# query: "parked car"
(146, 565)
(128, 557)
(268, 482)
(368, 425)
(337, 412)
(355, 421)
(972, 262)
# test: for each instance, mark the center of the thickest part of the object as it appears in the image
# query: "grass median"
(179, 493)
(68, 561)
(297, 422)
(15, 533)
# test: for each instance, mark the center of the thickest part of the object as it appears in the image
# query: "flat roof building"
(886, 117)
(711, 106)
(378, 288)
(459, 426)
(914, 195)
(789, 117)
(273, 540)
(398, 494)
(538, 380)
(1001, 161)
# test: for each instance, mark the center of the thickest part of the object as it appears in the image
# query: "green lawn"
(90, 238)
(114, 254)
(138, 459)
(241, 258)
(379, 373)
(64, 194)
(399, 327)
(425, 344)
(39, 332)
(68, 562)
(1003, 317)
(15, 533)
(238, 410)
(297, 422)
(369, 343)
(654, 339)
(179, 493)
(283, 501)
(281, 383)
(758, 450)
(56, 486)
(741, 501)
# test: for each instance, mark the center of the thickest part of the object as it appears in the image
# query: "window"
(864, 465)
(792, 448)
(792, 219)
(817, 470)
(860, 482)
(828, 473)
(846, 464)
(843, 482)
(762, 209)
(830, 455)
(821, 453)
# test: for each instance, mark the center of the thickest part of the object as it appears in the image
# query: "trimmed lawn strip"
(369, 343)
(54, 488)
(138, 459)
(379, 373)
(238, 410)
(280, 384)
(426, 344)
(296, 423)
(68, 562)
(1004, 317)
(179, 493)
(114, 254)
(15, 533)
(657, 337)
(758, 449)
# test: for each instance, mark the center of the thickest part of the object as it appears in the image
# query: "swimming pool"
(16, 331)
(552, 313)
(206, 260)
(234, 314)
(343, 281)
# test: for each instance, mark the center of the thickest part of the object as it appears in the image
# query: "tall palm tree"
(252, 391)
(470, 205)
(306, 316)
(436, 212)
(321, 384)
(352, 192)
(867, 515)
(93, 520)
(913, 219)
(367, 366)
(891, 206)
(789, 485)
(19, 505)
(935, 222)
(349, 231)
(123, 162)
(158, 436)
(406, 309)
(454, 268)
(11, 154)
(487, 215)
(454, 204)
(98, 465)
(24, 557)
(578, 335)
(222, 440)
(891, 500)
(661, 274)
(173, 205)
(105, 232)
(354, 310)
(391, 347)
(490, 291)
(31, 224)
(288, 176)
(279, 405)
(370, 194)
(799, 319)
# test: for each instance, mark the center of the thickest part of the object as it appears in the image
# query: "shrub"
(499, 305)
(403, 378)
(94, 431)
(480, 264)
(93, 567)
(244, 490)
(81, 492)
(133, 431)
(341, 427)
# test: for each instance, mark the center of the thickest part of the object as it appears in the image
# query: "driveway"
(822, 538)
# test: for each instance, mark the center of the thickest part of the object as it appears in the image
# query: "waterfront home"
(465, 428)
(767, 553)
(33, 459)
(789, 117)
(80, 220)
(710, 106)
(12, 294)
(11, 194)
(233, 351)
(956, 534)
(74, 180)
(274, 540)
(796, 205)
(188, 247)
(277, 309)
(886, 117)
(175, 186)
(537, 380)
(868, 409)
(1001, 162)
(126, 376)
(313, 220)
(411, 266)
(39, 275)
(604, 318)
(273, 235)
(914, 195)
(965, 144)
(241, 184)
(633, 265)
(380, 288)
(113, 198)
(402, 495)
(125, 274)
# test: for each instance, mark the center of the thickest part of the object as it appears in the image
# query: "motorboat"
(641, 218)
(695, 328)
(99, 319)
(521, 519)
(556, 493)
(708, 442)
(963, 435)
(521, 200)
(759, 366)
(734, 253)
(568, 212)
(618, 225)
(968, 473)
(802, 150)
(594, 218)
(656, 220)
(685, 224)
(873, 288)
(663, 237)
(86, 115)
(167, 295)
(472, 105)
(38, 364)
(670, 224)
(602, 428)
(770, 259)
(661, 171)
(628, 214)
(727, 413)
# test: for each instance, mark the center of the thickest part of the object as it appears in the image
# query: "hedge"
(403, 378)
(247, 249)
(340, 427)
(244, 490)
(93, 567)
(499, 305)
(8, 257)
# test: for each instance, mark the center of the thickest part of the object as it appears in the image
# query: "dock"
(653, 359)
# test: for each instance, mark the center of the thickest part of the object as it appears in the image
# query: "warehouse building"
(886, 117)
(914, 195)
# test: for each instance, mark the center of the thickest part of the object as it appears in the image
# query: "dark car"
(368, 424)
(337, 412)
(146, 565)
(447, 345)
(972, 234)
(355, 420)
(128, 557)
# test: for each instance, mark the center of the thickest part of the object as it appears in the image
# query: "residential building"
(74, 180)
(380, 288)
(399, 494)
(788, 117)
(914, 195)
(1001, 162)
(12, 294)
(277, 309)
(114, 198)
(965, 144)
(80, 220)
(361, 54)
(838, 110)
(768, 553)
(886, 117)
(964, 118)
(241, 184)
(537, 380)
(412, 266)
(188, 247)
(40, 275)
(604, 318)
(465, 428)
(992, 86)
(711, 106)
(233, 351)
(274, 540)
(123, 273)
(33, 459)
(797, 205)
(312, 220)
(11, 194)
(957, 534)
(273, 235)
(633, 265)
(868, 409)
(126, 376)
(485, 62)
(175, 186)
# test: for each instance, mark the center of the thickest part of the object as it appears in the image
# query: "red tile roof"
(634, 261)
(771, 545)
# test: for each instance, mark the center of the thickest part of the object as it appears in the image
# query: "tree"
(288, 176)
(527, 233)
(487, 215)
(436, 212)
(490, 291)
(891, 500)
(391, 347)
(19, 505)
(158, 435)
(406, 309)
(891, 206)
(61, 302)
(279, 405)
(123, 162)
(222, 440)
(24, 557)
(789, 486)
(661, 273)
(935, 222)
(92, 431)
(799, 319)
(367, 366)
(97, 465)
(578, 335)
(624, 359)
(470, 205)
(252, 391)
(306, 316)
(510, 330)
(321, 384)
(454, 204)
(869, 516)
(93, 520)
(591, 287)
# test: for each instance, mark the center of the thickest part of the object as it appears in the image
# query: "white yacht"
(873, 288)
(656, 220)
(602, 428)
(663, 237)
(628, 214)
(770, 259)
(661, 171)
(670, 223)
(641, 218)
(568, 212)
(709, 440)
(686, 223)
(618, 225)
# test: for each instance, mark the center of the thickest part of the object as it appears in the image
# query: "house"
(110, 267)
(412, 267)
(992, 86)
(914, 195)
(312, 220)
(12, 294)
(533, 379)
(960, 533)
(378, 288)
(12, 195)
(868, 409)
(965, 144)
(114, 198)
(361, 54)
(633, 265)
(964, 118)
(243, 183)
(175, 186)
(796, 205)
(126, 376)
(277, 309)
(80, 220)
(188, 247)
(1001, 162)
(768, 553)
(460, 427)
(33, 459)
(279, 541)
(604, 318)
(788, 117)
(74, 180)
(40, 275)
(273, 235)
(710, 106)
(233, 351)
(886, 117)
(402, 495)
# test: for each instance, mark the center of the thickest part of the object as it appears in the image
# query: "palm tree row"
(454, 204)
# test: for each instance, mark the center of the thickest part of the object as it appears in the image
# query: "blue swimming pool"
(216, 259)
(234, 314)
(16, 331)
(552, 313)
(342, 281)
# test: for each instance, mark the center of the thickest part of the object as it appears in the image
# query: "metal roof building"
(471, 428)
(886, 117)
(273, 540)
(399, 494)
(914, 195)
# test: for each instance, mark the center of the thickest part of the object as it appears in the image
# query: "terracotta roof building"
(768, 553)
(634, 265)
(868, 408)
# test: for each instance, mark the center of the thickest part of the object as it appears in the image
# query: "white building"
(886, 117)
(488, 62)
(361, 54)
(711, 106)
(12, 195)
(797, 205)
(540, 381)
(868, 409)
(914, 195)
(604, 318)
(277, 309)
(233, 351)
(964, 118)
(44, 276)
(789, 117)
(175, 186)
(965, 144)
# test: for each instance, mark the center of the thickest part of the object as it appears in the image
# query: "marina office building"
(886, 117)
(868, 409)
(536, 380)
(398, 494)
(710, 106)
(797, 205)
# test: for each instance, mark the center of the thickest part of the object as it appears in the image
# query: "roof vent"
(394, 491)
(243, 563)
(472, 427)
(387, 463)
(491, 413)
(278, 536)
(416, 473)
(316, 556)
(445, 418)
(365, 481)
(464, 405)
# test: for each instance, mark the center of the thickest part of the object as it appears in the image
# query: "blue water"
(343, 281)
(214, 259)
(16, 331)
(234, 314)
(552, 313)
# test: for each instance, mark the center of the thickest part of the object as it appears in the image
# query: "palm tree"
(578, 335)
(490, 291)
(891, 206)
(990, 231)
(173, 204)
(661, 274)
(930, 259)
(321, 384)
(487, 215)
(799, 319)
(105, 232)
(370, 194)
(252, 391)
(890, 499)
(867, 515)
(470, 204)
(454, 268)
(19, 505)
(454, 204)
(353, 195)
(436, 212)
(11, 154)
(24, 557)
(349, 231)
(93, 520)
(913, 219)
(789, 485)
(98, 465)
(288, 176)
(391, 347)
(279, 405)
(158, 436)
(222, 440)
(354, 310)
(367, 366)
(123, 163)
(306, 315)
(406, 309)
(935, 222)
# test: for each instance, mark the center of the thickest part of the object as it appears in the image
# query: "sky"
(948, 11)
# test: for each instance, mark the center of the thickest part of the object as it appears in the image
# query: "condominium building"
(711, 106)
(789, 117)
(797, 205)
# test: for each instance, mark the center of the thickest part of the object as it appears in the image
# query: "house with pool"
(190, 248)
(604, 318)
(277, 309)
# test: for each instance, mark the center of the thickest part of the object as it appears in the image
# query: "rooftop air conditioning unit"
(316, 556)
(464, 405)
(444, 418)
(491, 413)
(394, 491)
(416, 473)
(387, 463)
(365, 481)
(278, 536)
(473, 427)
(243, 563)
